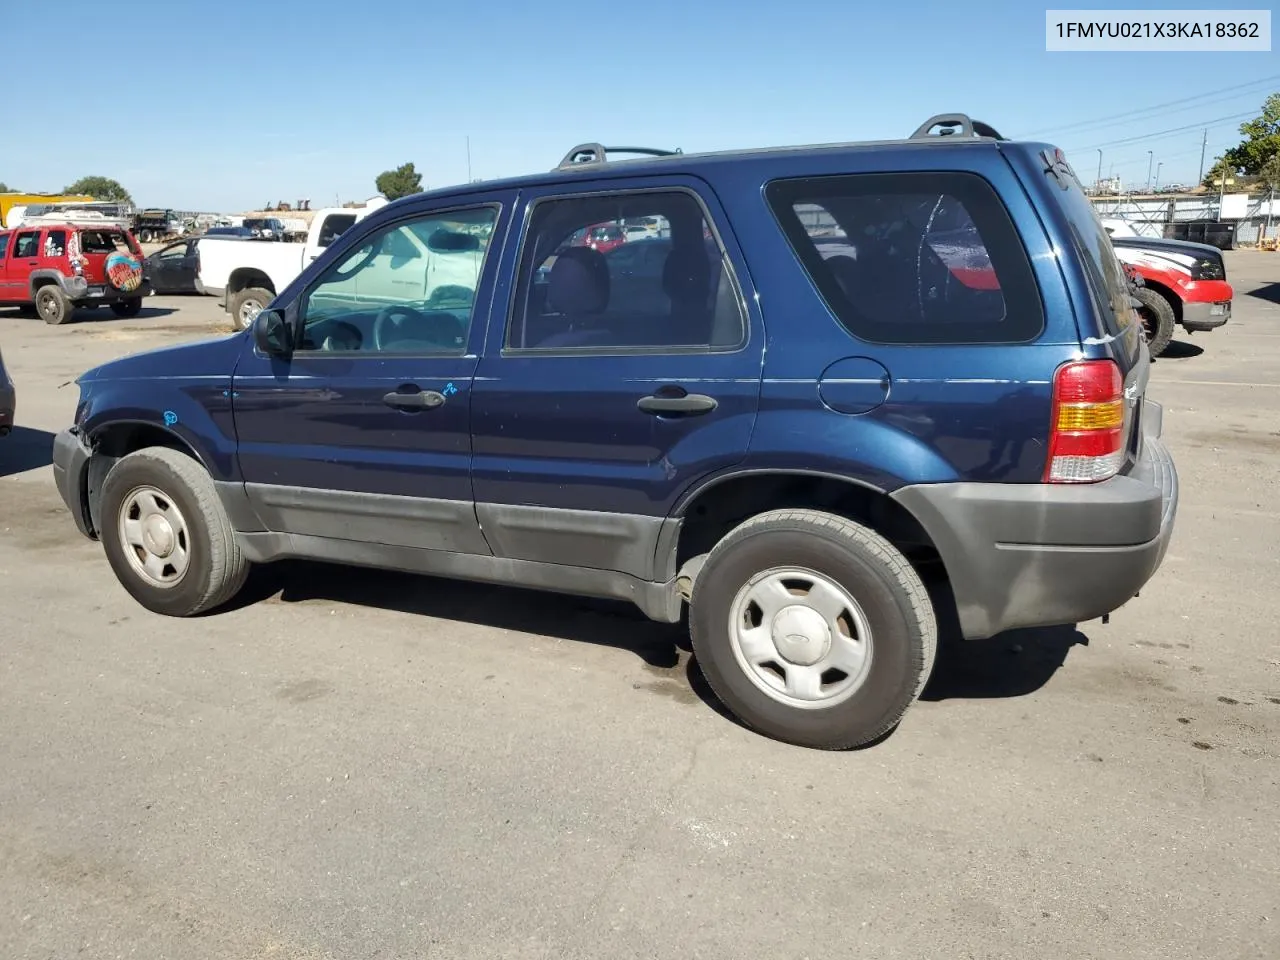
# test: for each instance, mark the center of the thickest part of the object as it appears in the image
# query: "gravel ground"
(356, 764)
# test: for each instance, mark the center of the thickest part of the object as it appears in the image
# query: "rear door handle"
(422, 400)
(691, 403)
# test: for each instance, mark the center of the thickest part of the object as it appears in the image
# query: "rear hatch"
(103, 249)
(1111, 328)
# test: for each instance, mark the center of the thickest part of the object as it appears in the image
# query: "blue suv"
(824, 372)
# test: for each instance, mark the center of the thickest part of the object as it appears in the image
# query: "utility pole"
(1203, 143)
(468, 159)
(1158, 166)
(1099, 183)
(1150, 157)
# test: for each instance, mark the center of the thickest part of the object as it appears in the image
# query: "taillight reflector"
(1086, 441)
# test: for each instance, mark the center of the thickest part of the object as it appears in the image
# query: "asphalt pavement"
(354, 764)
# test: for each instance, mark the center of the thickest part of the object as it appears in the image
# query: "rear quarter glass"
(912, 258)
(1113, 314)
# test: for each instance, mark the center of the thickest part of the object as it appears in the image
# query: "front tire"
(247, 304)
(812, 629)
(1157, 316)
(125, 309)
(53, 306)
(167, 536)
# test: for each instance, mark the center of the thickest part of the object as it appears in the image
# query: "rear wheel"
(1157, 317)
(53, 306)
(127, 308)
(144, 236)
(812, 629)
(167, 536)
(247, 304)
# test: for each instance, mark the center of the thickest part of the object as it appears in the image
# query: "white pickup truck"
(248, 273)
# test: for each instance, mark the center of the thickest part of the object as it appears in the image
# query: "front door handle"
(690, 403)
(421, 400)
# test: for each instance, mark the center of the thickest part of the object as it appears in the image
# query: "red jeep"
(53, 268)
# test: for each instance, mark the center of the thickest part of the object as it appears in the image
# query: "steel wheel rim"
(800, 637)
(48, 306)
(154, 537)
(1150, 322)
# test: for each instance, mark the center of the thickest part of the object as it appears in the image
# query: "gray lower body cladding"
(1031, 555)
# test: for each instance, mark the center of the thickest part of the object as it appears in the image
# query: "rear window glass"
(103, 241)
(912, 258)
(334, 226)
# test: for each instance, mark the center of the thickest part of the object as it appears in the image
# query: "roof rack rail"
(591, 153)
(949, 122)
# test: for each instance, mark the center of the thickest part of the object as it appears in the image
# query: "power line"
(1106, 120)
(1165, 133)
(1161, 157)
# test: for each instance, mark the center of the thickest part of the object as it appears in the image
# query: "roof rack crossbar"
(968, 127)
(585, 153)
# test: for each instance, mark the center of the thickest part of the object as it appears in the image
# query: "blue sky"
(314, 100)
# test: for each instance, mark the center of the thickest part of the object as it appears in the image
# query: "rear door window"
(913, 257)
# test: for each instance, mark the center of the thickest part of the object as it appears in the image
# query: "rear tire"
(247, 304)
(840, 641)
(53, 306)
(1157, 316)
(127, 308)
(167, 536)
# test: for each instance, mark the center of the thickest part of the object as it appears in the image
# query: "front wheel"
(812, 629)
(166, 535)
(247, 304)
(1157, 317)
(127, 308)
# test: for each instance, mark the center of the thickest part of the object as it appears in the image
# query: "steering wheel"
(432, 329)
(384, 322)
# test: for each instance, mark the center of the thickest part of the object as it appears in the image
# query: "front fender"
(197, 415)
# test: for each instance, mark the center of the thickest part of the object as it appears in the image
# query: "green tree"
(1220, 166)
(100, 188)
(5, 188)
(1261, 139)
(1269, 175)
(400, 182)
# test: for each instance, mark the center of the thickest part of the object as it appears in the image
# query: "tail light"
(1086, 441)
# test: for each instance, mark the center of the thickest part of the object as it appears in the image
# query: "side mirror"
(273, 334)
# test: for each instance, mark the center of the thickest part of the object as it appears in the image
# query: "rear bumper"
(1032, 555)
(82, 291)
(70, 463)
